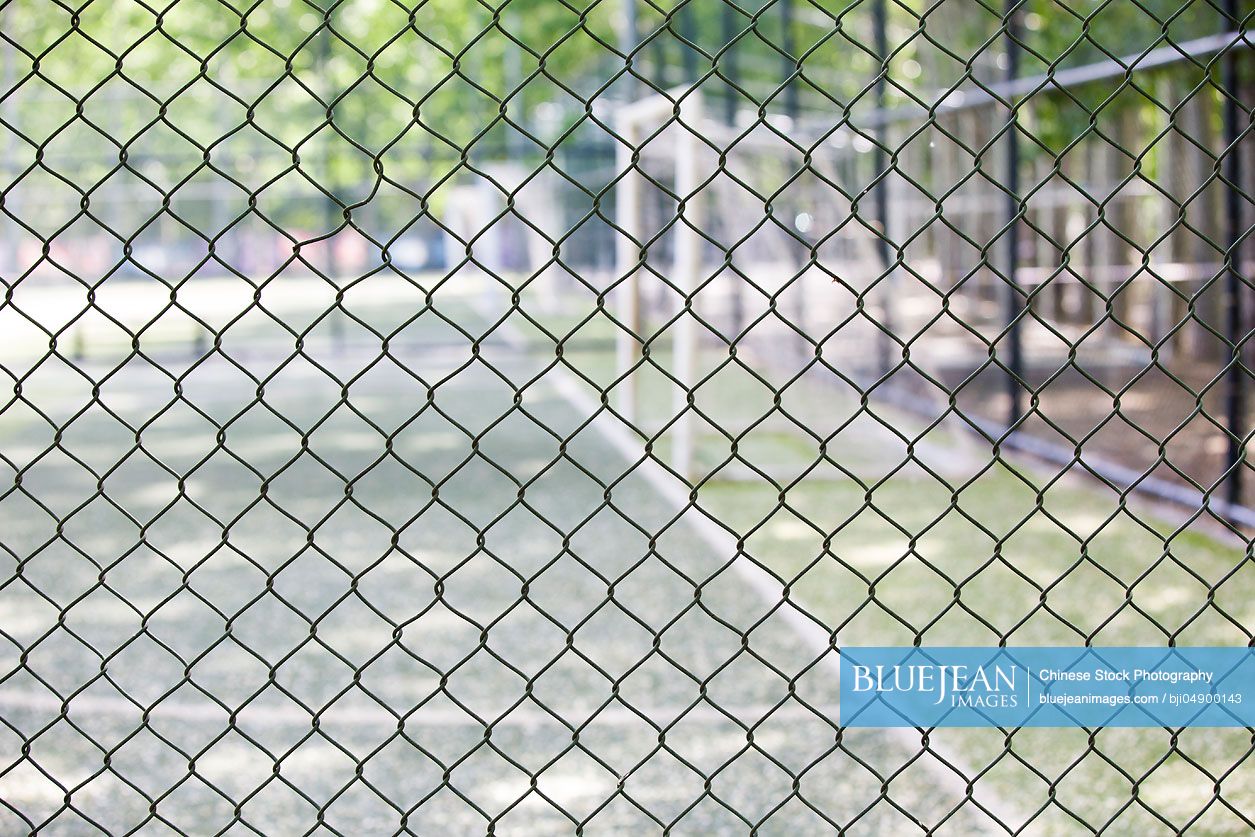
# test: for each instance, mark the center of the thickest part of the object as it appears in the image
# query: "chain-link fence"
(433, 416)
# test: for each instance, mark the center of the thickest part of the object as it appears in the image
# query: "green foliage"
(416, 88)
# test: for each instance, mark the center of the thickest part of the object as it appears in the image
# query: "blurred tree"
(356, 88)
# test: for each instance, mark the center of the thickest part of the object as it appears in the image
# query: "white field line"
(722, 543)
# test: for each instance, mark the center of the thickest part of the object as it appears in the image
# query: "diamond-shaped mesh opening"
(445, 417)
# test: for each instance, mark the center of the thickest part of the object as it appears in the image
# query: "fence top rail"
(1001, 93)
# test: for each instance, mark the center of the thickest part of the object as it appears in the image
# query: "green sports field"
(436, 587)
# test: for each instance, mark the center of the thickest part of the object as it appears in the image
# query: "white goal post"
(776, 203)
(679, 112)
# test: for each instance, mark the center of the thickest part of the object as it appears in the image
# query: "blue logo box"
(1047, 687)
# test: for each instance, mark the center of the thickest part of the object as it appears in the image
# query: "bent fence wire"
(456, 417)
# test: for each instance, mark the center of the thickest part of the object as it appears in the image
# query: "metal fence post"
(1235, 406)
(1014, 303)
(660, 79)
(788, 46)
(880, 36)
(8, 76)
(730, 70)
(688, 36)
(792, 69)
(629, 37)
(731, 74)
(333, 212)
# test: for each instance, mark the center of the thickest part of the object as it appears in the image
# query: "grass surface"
(423, 590)
(948, 545)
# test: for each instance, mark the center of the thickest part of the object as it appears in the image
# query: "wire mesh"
(449, 417)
